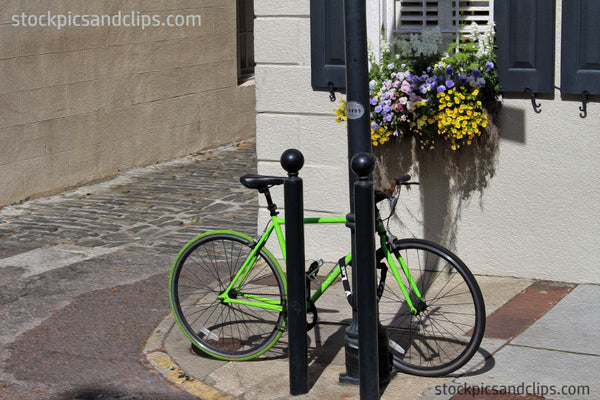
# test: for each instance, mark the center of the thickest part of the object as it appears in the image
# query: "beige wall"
(81, 103)
(529, 209)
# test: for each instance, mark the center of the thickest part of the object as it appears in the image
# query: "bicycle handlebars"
(389, 192)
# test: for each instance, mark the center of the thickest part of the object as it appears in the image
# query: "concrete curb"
(155, 353)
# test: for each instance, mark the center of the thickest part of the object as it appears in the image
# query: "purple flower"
(449, 70)
(390, 66)
(449, 83)
(441, 89)
(374, 126)
(489, 65)
(405, 87)
(373, 101)
(378, 109)
(461, 80)
(476, 73)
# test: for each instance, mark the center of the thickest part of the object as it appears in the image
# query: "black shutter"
(580, 54)
(327, 44)
(525, 40)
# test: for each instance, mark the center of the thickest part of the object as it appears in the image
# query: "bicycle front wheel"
(445, 327)
(230, 321)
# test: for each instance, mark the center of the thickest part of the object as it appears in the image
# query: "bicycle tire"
(449, 326)
(202, 271)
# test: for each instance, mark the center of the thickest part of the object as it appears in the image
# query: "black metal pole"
(366, 291)
(359, 139)
(292, 161)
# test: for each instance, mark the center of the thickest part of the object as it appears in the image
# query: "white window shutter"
(450, 16)
(414, 15)
(468, 11)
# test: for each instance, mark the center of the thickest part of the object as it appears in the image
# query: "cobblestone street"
(154, 208)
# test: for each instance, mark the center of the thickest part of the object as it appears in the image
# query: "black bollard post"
(366, 292)
(292, 160)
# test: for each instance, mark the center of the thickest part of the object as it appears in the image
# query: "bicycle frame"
(275, 225)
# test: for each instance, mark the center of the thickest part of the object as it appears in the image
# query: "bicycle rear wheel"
(449, 323)
(203, 271)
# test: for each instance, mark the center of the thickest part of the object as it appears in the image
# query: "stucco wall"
(80, 103)
(291, 115)
(530, 208)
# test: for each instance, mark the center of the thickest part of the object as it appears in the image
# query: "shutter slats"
(413, 16)
(472, 11)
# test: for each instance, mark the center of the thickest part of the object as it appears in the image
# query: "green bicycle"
(228, 292)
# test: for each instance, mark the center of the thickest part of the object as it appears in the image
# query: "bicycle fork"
(389, 252)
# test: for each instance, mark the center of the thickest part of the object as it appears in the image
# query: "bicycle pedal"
(313, 269)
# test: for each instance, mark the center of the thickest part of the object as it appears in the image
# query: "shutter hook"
(536, 107)
(583, 106)
(331, 92)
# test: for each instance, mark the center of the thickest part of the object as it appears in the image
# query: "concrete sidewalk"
(551, 357)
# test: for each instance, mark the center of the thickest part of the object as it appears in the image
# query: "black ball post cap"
(363, 164)
(292, 160)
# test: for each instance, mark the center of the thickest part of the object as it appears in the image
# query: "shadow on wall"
(448, 179)
(511, 124)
